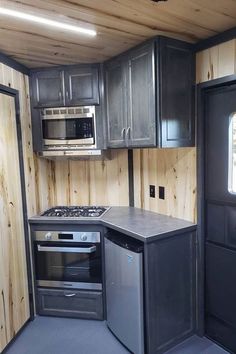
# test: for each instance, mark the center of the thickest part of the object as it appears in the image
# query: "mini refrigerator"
(124, 290)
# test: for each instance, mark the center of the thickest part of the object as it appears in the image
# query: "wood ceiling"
(120, 25)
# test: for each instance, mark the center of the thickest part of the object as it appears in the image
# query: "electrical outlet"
(152, 191)
(161, 192)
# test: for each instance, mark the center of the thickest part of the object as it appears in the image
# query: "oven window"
(68, 266)
(68, 129)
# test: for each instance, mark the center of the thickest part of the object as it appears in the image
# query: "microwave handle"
(91, 249)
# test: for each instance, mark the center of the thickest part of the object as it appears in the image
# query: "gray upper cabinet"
(155, 103)
(81, 86)
(177, 73)
(130, 99)
(115, 99)
(48, 88)
(141, 130)
(66, 86)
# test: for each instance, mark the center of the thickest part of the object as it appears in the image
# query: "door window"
(232, 154)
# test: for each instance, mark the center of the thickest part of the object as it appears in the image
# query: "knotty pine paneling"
(120, 25)
(14, 300)
(216, 62)
(174, 169)
(69, 182)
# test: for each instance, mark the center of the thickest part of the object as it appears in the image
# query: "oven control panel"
(67, 236)
(48, 236)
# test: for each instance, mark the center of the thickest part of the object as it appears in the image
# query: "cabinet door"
(14, 298)
(48, 88)
(176, 93)
(141, 130)
(115, 104)
(81, 85)
(70, 303)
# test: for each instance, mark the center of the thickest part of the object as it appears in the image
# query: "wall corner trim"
(215, 40)
(5, 59)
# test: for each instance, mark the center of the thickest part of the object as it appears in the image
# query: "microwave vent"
(67, 111)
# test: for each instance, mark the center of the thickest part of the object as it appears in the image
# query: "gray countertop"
(143, 225)
(138, 223)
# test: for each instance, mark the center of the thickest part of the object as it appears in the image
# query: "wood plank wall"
(174, 169)
(216, 62)
(82, 182)
(14, 300)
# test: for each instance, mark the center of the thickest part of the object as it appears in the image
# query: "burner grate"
(75, 211)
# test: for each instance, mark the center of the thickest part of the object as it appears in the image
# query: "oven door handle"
(91, 249)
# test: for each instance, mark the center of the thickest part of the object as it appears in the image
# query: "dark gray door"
(141, 129)
(48, 88)
(81, 85)
(115, 104)
(220, 207)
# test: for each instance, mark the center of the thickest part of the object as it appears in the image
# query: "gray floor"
(49, 335)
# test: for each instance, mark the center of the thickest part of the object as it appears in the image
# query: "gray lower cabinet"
(154, 95)
(71, 303)
(170, 291)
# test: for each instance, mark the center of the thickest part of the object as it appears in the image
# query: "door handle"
(67, 249)
(123, 133)
(128, 133)
(69, 295)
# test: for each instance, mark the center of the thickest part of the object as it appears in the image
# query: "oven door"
(64, 265)
(68, 131)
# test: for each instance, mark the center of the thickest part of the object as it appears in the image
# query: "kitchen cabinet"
(70, 303)
(65, 86)
(170, 291)
(81, 85)
(48, 88)
(130, 99)
(154, 96)
(115, 99)
(141, 112)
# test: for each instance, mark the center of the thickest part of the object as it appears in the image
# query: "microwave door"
(76, 131)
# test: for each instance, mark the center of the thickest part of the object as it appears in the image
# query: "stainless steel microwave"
(68, 128)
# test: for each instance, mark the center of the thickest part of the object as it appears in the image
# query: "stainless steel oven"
(68, 128)
(68, 260)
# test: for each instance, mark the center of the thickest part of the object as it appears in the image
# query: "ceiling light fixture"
(45, 21)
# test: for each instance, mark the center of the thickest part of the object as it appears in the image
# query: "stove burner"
(75, 211)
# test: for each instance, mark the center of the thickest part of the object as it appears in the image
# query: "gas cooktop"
(75, 211)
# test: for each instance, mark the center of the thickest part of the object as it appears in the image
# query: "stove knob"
(48, 236)
(83, 237)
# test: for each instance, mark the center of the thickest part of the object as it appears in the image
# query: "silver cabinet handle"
(123, 133)
(59, 94)
(67, 249)
(128, 133)
(67, 93)
(69, 295)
